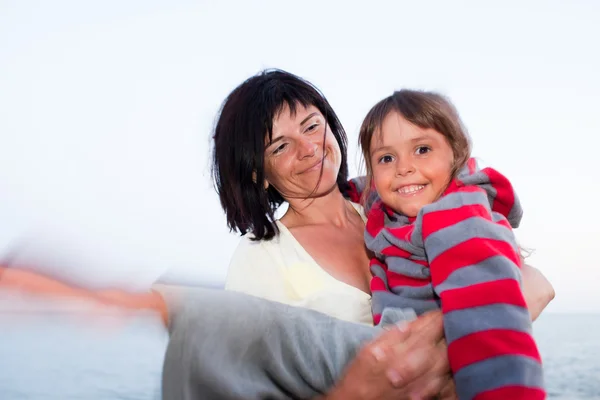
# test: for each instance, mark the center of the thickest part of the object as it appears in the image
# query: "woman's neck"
(331, 209)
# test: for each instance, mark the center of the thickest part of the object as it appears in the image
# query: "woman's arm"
(537, 290)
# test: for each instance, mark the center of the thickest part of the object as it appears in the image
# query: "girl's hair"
(243, 124)
(426, 110)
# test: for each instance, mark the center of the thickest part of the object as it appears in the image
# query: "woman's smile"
(314, 167)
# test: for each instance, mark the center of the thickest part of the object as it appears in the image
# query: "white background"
(106, 111)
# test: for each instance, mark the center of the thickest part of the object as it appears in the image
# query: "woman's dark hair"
(244, 123)
(426, 110)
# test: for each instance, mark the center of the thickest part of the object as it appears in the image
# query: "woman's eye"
(280, 148)
(312, 128)
(386, 159)
(422, 150)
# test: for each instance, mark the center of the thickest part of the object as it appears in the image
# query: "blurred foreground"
(73, 349)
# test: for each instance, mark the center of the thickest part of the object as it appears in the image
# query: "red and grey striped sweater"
(460, 254)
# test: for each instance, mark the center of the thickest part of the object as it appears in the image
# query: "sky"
(106, 112)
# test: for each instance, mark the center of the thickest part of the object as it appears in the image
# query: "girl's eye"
(386, 159)
(422, 150)
(280, 148)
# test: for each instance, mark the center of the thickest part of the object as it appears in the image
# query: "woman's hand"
(537, 290)
(402, 363)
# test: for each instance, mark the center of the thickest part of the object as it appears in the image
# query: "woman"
(277, 139)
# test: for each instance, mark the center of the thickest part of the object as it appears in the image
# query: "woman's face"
(295, 156)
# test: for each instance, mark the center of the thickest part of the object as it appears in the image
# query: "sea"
(66, 355)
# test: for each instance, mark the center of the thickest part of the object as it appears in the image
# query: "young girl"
(440, 229)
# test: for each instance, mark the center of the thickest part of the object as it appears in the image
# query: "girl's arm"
(537, 290)
(35, 283)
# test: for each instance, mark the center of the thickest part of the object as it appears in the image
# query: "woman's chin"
(324, 189)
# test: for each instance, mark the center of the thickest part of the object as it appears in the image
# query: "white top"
(282, 270)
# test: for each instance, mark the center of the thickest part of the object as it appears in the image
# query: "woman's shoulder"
(360, 210)
(247, 250)
(256, 266)
(248, 246)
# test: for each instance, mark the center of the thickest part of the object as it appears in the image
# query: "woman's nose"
(307, 148)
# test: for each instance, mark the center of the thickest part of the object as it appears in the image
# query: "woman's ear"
(254, 178)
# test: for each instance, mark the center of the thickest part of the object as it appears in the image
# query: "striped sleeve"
(356, 191)
(475, 270)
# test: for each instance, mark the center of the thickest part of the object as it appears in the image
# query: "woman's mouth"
(316, 166)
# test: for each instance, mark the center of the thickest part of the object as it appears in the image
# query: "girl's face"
(302, 146)
(411, 166)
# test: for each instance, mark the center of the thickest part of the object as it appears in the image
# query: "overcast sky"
(106, 110)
